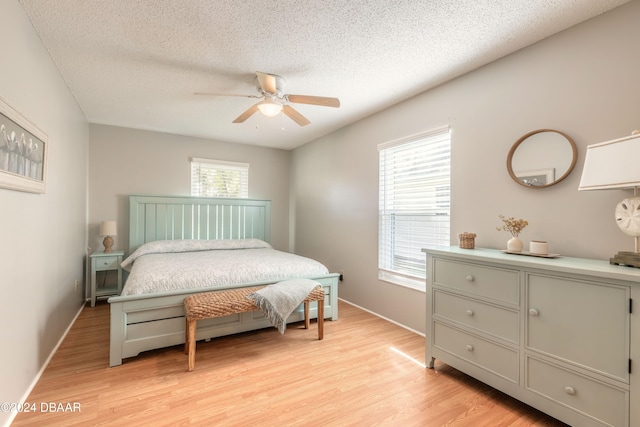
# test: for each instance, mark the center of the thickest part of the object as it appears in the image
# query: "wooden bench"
(223, 303)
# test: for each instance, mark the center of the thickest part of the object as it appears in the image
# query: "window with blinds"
(218, 178)
(414, 205)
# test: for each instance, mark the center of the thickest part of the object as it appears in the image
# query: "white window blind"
(415, 189)
(218, 178)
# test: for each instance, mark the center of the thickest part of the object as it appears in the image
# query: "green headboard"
(179, 218)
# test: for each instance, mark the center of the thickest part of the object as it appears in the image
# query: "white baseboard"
(384, 318)
(25, 396)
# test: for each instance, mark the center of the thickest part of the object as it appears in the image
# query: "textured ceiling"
(137, 63)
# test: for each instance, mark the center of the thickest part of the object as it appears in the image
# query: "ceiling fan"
(274, 100)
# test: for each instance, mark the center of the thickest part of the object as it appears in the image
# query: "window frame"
(219, 166)
(440, 206)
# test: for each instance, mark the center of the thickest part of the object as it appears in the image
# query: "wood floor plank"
(363, 373)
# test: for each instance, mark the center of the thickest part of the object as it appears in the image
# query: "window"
(217, 178)
(414, 205)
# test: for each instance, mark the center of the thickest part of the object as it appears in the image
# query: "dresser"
(560, 334)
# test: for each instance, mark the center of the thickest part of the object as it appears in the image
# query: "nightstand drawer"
(106, 263)
(585, 395)
(490, 319)
(495, 283)
(493, 357)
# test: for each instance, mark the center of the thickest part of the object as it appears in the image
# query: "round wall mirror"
(542, 158)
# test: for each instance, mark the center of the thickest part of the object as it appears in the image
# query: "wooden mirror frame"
(574, 153)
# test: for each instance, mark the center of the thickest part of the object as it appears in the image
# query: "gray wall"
(583, 82)
(126, 161)
(43, 236)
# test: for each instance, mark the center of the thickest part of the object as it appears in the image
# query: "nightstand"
(101, 262)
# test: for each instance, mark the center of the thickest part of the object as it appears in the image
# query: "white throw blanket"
(278, 301)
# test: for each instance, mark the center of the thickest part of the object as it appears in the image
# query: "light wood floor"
(364, 373)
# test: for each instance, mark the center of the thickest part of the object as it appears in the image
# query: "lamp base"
(630, 259)
(108, 244)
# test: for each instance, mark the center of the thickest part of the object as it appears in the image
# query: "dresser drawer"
(587, 396)
(495, 283)
(106, 263)
(490, 319)
(493, 357)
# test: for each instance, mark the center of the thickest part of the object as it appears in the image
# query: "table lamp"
(615, 164)
(108, 229)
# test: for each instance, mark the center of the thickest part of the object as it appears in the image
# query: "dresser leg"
(431, 363)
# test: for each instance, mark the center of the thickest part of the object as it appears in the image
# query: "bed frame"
(146, 322)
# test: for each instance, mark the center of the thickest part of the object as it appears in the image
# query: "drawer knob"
(470, 278)
(533, 312)
(570, 390)
(469, 347)
(469, 312)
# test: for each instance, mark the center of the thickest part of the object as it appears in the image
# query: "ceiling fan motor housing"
(279, 93)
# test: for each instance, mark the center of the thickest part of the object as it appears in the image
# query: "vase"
(514, 244)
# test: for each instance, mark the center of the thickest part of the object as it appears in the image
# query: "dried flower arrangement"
(512, 225)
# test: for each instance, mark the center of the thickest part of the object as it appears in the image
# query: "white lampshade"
(612, 164)
(270, 108)
(108, 228)
(615, 165)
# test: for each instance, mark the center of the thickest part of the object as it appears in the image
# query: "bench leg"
(186, 336)
(306, 315)
(320, 319)
(307, 321)
(191, 333)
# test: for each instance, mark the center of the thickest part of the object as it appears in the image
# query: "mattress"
(170, 265)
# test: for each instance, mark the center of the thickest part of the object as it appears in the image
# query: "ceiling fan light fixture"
(270, 108)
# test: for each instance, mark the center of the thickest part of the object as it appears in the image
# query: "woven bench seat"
(233, 301)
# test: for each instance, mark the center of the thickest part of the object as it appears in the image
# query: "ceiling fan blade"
(267, 82)
(314, 100)
(295, 116)
(244, 116)
(225, 94)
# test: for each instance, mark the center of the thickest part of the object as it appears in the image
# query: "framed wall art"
(23, 152)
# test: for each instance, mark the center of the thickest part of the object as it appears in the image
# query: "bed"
(142, 319)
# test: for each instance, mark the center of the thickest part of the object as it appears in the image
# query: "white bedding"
(171, 265)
